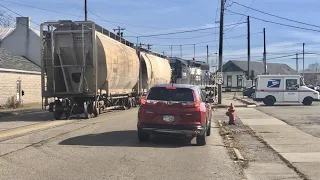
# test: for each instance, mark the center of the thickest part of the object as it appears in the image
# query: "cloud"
(306, 36)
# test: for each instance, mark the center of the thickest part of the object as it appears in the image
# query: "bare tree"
(5, 19)
(314, 67)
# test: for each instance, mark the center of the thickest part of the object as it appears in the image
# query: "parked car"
(175, 109)
(250, 92)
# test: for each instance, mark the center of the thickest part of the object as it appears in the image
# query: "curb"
(247, 102)
(238, 154)
(21, 112)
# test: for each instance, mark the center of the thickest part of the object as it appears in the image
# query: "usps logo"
(274, 83)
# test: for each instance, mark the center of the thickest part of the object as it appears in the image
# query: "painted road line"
(35, 127)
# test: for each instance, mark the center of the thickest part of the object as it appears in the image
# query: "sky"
(149, 17)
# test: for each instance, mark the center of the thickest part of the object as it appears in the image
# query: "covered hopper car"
(87, 69)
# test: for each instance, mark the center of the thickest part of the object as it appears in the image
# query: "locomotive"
(87, 69)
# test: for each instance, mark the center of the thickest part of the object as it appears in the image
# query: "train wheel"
(57, 114)
(96, 112)
(129, 103)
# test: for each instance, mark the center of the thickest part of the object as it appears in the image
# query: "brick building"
(18, 75)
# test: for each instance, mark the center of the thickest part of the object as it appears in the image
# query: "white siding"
(23, 41)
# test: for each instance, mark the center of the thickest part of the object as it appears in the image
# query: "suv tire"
(209, 130)
(201, 139)
(143, 136)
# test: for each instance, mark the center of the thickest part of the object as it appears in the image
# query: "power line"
(58, 12)
(17, 13)
(276, 15)
(242, 16)
(205, 41)
(297, 27)
(186, 31)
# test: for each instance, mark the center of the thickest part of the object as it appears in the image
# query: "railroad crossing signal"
(219, 79)
(220, 75)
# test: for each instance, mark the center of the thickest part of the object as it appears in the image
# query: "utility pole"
(85, 10)
(221, 49)
(181, 51)
(119, 33)
(248, 23)
(264, 51)
(194, 50)
(207, 54)
(171, 50)
(297, 62)
(303, 61)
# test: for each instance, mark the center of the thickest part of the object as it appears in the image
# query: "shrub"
(12, 102)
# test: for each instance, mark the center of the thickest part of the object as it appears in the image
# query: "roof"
(258, 67)
(175, 85)
(11, 61)
(4, 32)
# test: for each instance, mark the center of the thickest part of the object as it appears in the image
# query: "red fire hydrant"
(231, 114)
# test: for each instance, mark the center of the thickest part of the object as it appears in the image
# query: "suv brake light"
(148, 102)
(191, 104)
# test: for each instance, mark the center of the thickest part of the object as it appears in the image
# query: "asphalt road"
(105, 148)
(305, 118)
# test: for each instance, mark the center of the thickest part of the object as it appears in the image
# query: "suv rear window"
(163, 94)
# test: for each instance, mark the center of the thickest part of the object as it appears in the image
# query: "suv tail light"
(144, 101)
(191, 104)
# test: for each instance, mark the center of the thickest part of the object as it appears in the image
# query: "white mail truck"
(283, 88)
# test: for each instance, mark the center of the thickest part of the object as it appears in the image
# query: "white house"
(22, 40)
(235, 72)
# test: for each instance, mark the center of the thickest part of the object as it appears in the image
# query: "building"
(190, 72)
(19, 76)
(235, 72)
(311, 77)
(22, 40)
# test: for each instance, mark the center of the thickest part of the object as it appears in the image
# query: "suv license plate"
(168, 118)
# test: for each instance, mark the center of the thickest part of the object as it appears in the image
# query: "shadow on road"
(127, 138)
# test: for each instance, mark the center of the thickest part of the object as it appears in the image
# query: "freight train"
(87, 69)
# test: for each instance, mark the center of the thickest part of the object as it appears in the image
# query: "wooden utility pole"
(303, 61)
(297, 62)
(207, 54)
(248, 26)
(119, 33)
(220, 49)
(85, 10)
(264, 51)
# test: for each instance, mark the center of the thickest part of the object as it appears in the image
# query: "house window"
(291, 84)
(239, 80)
(229, 81)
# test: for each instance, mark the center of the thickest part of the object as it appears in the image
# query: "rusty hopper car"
(87, 69)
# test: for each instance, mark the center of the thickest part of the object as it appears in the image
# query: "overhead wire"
(276, 15)
(186, 31)
(241, 17)
(273, 22)
(189, 44)
(17, 13)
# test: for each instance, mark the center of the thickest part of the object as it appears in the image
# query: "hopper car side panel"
(86, 69)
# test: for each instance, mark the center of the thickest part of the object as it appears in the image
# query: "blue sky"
(161, 16)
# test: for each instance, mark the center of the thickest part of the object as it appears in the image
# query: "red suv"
(179, 109)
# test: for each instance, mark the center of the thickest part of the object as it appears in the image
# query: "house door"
(229, 81)
(291, 93)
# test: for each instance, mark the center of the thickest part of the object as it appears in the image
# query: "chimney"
(23, 22)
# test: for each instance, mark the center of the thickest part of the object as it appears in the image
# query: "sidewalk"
(27, 108)
(296, 147)
(228, 98)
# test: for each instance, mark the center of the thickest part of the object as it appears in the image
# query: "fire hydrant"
(231, 114)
